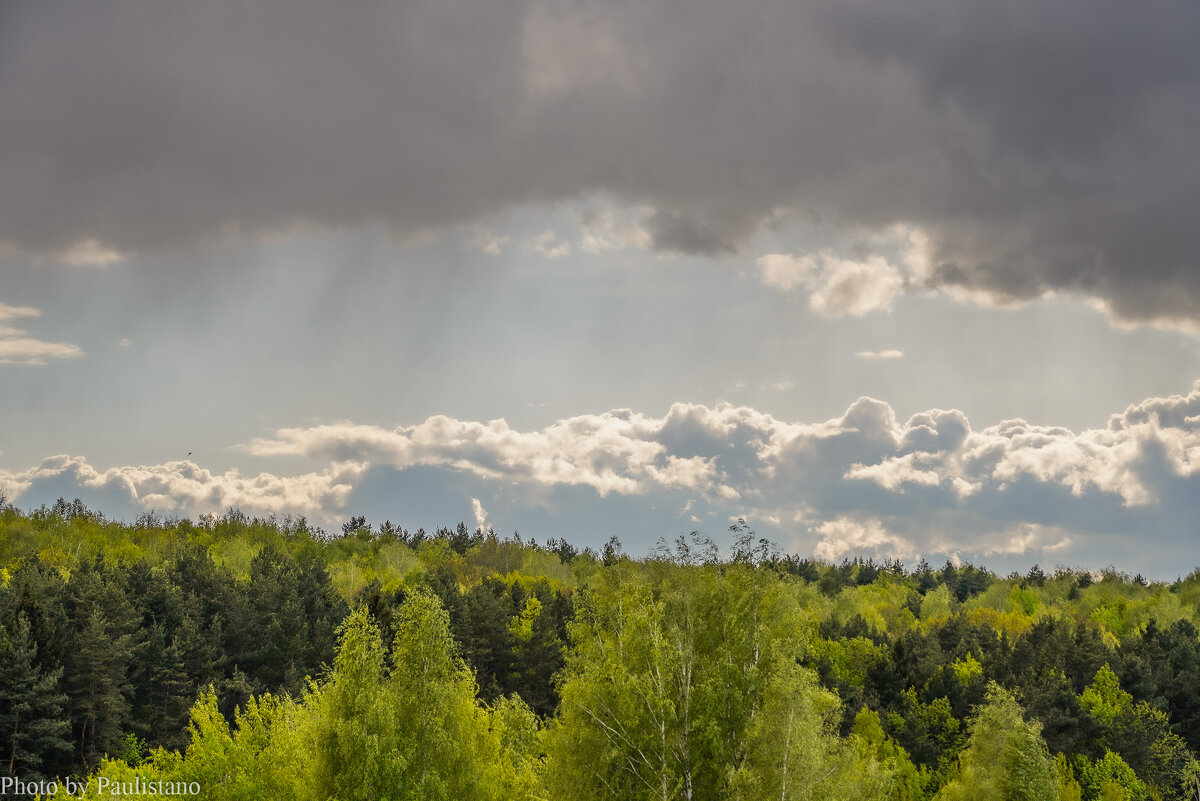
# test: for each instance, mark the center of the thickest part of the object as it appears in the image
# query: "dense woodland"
(268, 659)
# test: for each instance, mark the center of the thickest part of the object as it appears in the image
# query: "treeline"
(263, 658)
(109, 633)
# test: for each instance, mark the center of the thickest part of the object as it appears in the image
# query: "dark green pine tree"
(290, 620)
(165, 694)
(273, 622)
(212, 599)
(34, 731)
(205, 587)
(487, 644)
(1169, 661)
(95, 682)
(38, 592)
(324, 609)
(536, 662)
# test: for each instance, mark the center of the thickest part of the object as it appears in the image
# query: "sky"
(884, 278)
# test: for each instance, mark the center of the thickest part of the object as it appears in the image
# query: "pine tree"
(165, 696)
(34, 731)
(96, 685)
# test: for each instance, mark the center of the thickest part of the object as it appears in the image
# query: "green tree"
(684, 684)
(166, 695)
(418, 733)
(96, 685)
(793, 751)
(38, 592)
(1005, 758)
(34, 730)
(1142, 736)
(1064, 775)
(1111, 779)
(909, 782)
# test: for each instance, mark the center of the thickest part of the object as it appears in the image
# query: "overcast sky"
(889, 279)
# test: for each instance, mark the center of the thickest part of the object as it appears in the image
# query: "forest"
(256, 658)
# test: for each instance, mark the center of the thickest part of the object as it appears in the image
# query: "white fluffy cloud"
(16, 312)
(844, 535)
(738, 452)
(785, 271)
(837, 287)
(612, 452)
(863, 482)
(189, 489)
(17, 346)
(1026, 537)
(940, 449)
(856, 288)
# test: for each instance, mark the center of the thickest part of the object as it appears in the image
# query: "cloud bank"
(863, 482)
(1038, 149)
(183, 487)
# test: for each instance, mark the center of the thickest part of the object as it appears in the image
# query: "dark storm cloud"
(1040, 147)
(1086, 175)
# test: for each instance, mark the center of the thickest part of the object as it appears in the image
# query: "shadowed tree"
(34, 730)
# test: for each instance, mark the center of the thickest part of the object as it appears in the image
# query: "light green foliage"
(517, 734)
(967, 669)
(393, 564)
(1010, 608)
(1110, 778)
(521, 626)
(794, 753)
(1165, 608)
(790, 752)
(1068, 788)
(133, 749)
(669, 665)
(435, 552)
(414, 733)
(1023, 600)
(850, 660)
(936, 604)
(1119, 606)
(880, 604)
(1187, 590)
(539, 563)
(1142, 736)
(1005, 758)
(236, 554)
(909, 782)
(1113, 617)
(260, 758)
(887, 595)
(684, 684)
(494, 555)
(512, 559)
(1105, 700)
